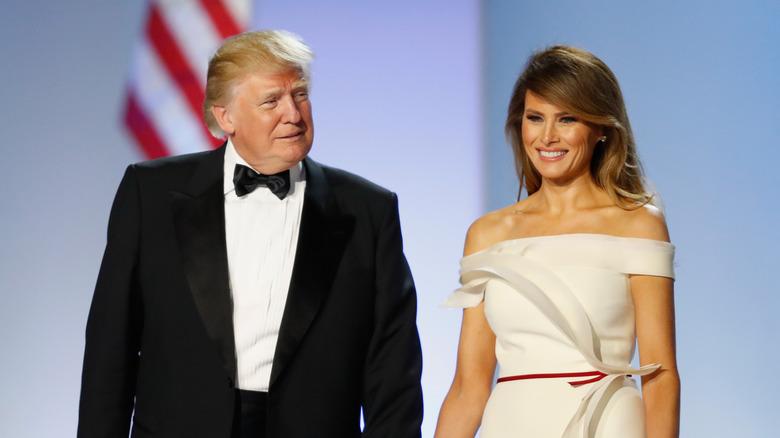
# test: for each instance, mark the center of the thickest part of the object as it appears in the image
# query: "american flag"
(163, 108)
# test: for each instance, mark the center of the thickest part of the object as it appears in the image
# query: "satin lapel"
(323, 236)
(199, 219)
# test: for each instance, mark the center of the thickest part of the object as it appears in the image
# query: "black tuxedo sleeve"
(114, 325)
(393, 404)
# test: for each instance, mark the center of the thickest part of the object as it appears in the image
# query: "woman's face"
(560, 145)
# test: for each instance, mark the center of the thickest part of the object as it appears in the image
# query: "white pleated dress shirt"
(262, 236)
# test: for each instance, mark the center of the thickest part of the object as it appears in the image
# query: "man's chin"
(296, 154)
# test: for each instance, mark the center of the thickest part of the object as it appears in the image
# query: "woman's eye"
(568, 119)
(533, 118)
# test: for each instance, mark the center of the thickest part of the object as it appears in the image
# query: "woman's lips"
(552, 155)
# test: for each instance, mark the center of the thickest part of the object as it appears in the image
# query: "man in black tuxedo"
(250, 291)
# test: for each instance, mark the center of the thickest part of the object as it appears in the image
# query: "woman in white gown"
(559, 288)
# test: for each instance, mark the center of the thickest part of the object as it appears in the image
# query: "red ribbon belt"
(595, 376)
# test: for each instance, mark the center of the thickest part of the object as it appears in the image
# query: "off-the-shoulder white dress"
(562, 312)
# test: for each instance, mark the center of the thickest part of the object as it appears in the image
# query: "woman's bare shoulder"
(491, 228)
(646, 222)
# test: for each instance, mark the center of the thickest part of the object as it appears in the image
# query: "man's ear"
(222, 115)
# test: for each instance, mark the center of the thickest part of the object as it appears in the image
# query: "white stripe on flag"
(191, 28)
(172, 112)
(164, 105)
(241, 11)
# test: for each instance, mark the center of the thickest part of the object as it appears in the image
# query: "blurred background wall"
(413, 94)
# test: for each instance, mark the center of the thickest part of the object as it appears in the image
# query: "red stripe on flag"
(178, 68)
(142, 129)
(174, 60)
(221, 18)
(181, 82)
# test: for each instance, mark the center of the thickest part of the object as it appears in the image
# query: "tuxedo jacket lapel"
(199, 220)
(322, 239)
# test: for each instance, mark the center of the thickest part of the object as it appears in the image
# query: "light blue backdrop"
(407, 93)
(701, 85)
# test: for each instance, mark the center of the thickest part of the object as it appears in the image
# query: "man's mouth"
(291, 136)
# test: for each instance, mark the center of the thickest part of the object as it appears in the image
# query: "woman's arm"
(654, 307)
(461, 412)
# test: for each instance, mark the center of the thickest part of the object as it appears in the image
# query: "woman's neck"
(563, 199)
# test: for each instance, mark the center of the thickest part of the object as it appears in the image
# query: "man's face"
(269, 120)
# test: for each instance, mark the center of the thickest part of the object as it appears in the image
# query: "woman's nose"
(550, 135)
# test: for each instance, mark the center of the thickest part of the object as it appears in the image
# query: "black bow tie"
(246, 180)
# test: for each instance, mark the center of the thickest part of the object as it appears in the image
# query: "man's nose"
(290, 111)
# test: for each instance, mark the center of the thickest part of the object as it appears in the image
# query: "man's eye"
(300, 97)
